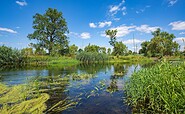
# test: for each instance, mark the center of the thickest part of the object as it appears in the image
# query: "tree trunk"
(50, 45)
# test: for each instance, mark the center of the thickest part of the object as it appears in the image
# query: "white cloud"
(180, 39)
(22, 3)
(74, 34)
(85, 35)
(100, 24)
(103, 24)
(146, 28)
(123, 30)
(7, 30)
(178, 25)
(142, 10)
(172, 2)
(181, 42)
(124, 13)
(114, 9)
(181, 33)
(92, 25)
(130, 41)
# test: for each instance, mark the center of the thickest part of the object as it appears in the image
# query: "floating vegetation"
(82, 76)
(118, 74)
(159, 89)
(33, 97)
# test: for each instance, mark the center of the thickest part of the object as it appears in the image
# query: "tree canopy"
(118, 47)
(50, 31)
(160, 45)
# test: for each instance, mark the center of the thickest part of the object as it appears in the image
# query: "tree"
(27, 51)
(73, 49)
(92, 48)
(108, 51)
(50, 30)
(119, 49)
(144, 48)
(160, 45)
(112, 35)
(102, 50)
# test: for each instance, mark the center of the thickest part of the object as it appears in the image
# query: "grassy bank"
(159, 89)
(53, 61)
(130, 59)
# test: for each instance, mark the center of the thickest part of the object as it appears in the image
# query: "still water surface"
(100, 94)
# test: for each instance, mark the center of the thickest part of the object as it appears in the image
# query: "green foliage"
(92, 48)
(130, 59)
(49, 60)
(73, 50)
(50, 29)
(159, 89)
(119, 49)
(27, 51)
(161, 44)
(10, 56)
(90, 57)
(112, 35)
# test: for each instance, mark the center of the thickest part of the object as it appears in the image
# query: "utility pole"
(134, 43)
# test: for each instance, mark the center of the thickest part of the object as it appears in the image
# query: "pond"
(99, 91)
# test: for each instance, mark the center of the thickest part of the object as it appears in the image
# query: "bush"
(10, 56)
(90, 57)
(159, 89)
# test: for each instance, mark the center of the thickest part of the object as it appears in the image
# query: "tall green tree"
(50, 30)
(108, 51)
(144, 48)
(160, 45)
(119, 49)
(92, 48)
(112, 35)
(73, 49)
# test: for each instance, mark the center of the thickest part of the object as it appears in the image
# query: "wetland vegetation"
(51, 76)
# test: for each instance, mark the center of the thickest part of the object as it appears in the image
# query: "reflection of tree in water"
(93, 68)
(120, 70)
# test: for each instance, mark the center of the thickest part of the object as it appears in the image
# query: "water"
(100, 94)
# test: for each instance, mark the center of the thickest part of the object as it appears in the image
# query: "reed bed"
(159, 89)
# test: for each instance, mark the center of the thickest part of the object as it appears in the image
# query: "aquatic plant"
(91, 57)
(33, 97)
(158, 89)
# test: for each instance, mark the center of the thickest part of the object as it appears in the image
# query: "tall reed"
(159, 89)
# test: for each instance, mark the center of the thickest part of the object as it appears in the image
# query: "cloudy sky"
(88, 19)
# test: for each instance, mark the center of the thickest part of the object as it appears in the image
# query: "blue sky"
(88, 19)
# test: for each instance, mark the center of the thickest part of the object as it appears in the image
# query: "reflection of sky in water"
(106, 99)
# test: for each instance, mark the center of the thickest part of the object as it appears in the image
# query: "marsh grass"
(159, 89)
(130, 59)
(92, 57)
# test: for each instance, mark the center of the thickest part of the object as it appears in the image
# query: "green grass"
(159, 89)
(130, 59)
(92, 57)
(53, 61)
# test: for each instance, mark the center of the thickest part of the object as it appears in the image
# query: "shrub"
(89, 57)
(10, 56)
(159, 89)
